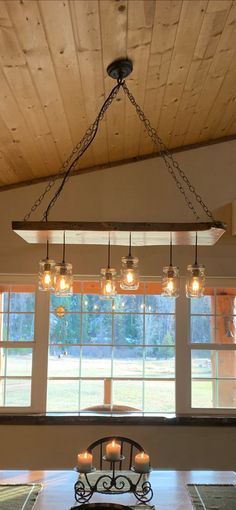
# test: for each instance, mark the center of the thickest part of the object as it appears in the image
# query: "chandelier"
(58, 278)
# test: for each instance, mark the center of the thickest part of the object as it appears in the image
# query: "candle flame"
(142, 455)
(86, 455)
(113, 442)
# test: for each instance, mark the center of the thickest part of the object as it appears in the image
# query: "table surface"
(169, 487)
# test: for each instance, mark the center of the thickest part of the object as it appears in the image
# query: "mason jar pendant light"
(63, 282)
(46, 272)
(196, 278)
(129, 271)
(108, 277)
(170, 277)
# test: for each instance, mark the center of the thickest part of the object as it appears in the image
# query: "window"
(140, 352)
(118, 353)
(213, 349)
(17, 306)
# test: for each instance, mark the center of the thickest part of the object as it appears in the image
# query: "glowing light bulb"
(130, 277)
(108, 283)
(170, 285)
(129, 273)
(108, 287)
(47, 278)
(195, 285)
(170, 281)
(62, 283)
(46, 274)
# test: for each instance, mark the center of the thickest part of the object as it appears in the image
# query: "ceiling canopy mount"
(120, 69)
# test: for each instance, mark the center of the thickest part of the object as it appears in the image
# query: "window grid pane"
(17, 314)
(212, 322)
(117, 345)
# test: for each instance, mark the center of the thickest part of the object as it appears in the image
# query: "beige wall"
(170, 447)
(140, 191)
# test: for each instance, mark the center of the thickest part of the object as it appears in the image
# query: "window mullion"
(183, 354)
(40, 354)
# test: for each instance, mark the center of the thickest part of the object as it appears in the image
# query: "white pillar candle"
(85, 462)
(142, 462)
(113, 450)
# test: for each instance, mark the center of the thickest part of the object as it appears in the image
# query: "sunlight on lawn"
(63, 395)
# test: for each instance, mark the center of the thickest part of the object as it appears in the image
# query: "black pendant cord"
(196, 263)
(64, 248)
(47, 252)
(130, 245)
(109, 252)
(171, 249)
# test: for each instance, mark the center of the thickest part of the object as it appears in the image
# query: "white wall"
(141, 191)
(170, 447)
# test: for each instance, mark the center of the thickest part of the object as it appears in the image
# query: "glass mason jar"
(129, 273)
(63, 281)
(170, 281)
(196, 280)
(46, 274)
(108, 283)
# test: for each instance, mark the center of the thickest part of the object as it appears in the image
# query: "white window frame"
(39, 347)
(183, 348)
(112, 377)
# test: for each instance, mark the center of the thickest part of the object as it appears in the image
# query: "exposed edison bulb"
(170, 281)
(170, 285)
(129, 273)
(130, 276)
(63, 282)
(46, 274)
(195, 284)
(47, 278)
(108, 283)
(108, 287)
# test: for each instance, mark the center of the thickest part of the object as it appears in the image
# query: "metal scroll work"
(112, 483)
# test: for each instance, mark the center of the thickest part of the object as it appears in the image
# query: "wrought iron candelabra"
(113, 483)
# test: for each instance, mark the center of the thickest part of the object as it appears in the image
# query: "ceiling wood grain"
(53, 60)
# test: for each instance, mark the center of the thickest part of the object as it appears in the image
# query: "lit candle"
(113, 451)
(85, 462)
(142, 462)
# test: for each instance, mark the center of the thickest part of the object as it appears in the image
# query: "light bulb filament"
(63, 285)
(108, 287)
(170, 285)
(195, 285)
(130, 277)
(47, 278)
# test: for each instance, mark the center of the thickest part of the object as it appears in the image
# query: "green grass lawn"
(63, 395)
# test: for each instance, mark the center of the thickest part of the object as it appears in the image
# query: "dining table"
(169, 487)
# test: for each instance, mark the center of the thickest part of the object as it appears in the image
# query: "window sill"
(103, 419)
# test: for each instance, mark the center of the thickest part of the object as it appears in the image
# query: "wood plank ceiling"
(54, 56)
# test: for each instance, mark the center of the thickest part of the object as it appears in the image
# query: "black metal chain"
(70, 163)
(73, 158)
(170, 162)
